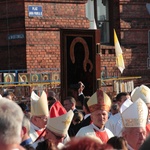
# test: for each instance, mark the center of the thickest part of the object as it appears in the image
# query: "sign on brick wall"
(16, 36)
(35, 11)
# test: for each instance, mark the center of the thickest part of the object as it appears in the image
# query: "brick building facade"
(132, 22)
(34, 42)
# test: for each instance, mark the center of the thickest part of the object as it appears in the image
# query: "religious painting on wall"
(1, 77)
(35, 77)
(55, 76)
(79, 61)
(24, 77)
(9, 77)
(45, 77)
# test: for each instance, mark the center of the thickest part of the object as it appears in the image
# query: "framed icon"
(1, 77)
(55, 76)
(23, 77)
(35, 77)
(9, 77)
(45, 77)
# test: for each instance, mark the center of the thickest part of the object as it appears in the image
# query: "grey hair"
(11, 117)
(26, 123)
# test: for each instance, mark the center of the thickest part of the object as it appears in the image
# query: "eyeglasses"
(42, 118)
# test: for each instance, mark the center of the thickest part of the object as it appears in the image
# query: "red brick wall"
(43, 34)
(41, 46)
(43, 49)
(132, 24)
(135, 23)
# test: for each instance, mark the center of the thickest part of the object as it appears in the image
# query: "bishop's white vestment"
(91, 130)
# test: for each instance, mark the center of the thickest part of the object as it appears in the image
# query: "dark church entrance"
(78, 61)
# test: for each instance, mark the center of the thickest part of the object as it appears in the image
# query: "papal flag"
(118, 51)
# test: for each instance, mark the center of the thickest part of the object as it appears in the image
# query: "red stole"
(41, 133)
(102, 135)
(148, 129)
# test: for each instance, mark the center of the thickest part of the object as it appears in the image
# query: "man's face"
(99, 118)
(54, 137)
(135, 137)
(68, 105)
(41, 121)
(123, 99)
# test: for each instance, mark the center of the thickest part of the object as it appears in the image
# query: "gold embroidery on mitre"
(140, 113)
(136, 122)
(131, 122)
(67, 121)
(102, 102)
(99, 107)
(144, 91)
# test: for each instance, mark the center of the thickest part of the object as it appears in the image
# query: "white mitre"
(59, 119)
(142, 92)
(135, 115)
(39, 105)
(125, 105)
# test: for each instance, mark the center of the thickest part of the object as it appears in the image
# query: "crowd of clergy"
(102, 124)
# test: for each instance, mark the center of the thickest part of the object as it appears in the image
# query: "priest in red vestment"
(99, 105)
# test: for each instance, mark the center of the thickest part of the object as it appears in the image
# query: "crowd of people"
(102, 124)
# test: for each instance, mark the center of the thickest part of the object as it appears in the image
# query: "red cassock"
(102, 135)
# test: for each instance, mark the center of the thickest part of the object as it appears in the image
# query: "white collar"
(80, 94)
(74, 109)
(35, 127)
(96, 128)
(86, 116)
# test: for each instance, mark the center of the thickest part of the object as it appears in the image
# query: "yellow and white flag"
(119, 57)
